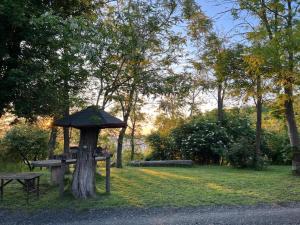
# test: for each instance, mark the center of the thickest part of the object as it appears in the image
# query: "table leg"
(38, 187)
(27, 190)
(61, 178)
(1, 189)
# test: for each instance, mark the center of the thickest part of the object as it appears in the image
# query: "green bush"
(25, 143)
(126, 155)
(206, 141)
(241, 153)
(162, 147)
(279, 149)
(202, 141)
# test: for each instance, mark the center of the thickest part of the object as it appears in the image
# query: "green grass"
(147, 187)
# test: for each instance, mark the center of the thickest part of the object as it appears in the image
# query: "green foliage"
(201, 140)
(25, 143)
(126, 156)
(279, 149)
(241, 154)
(206, 141)
(162, 147)
(25, 48)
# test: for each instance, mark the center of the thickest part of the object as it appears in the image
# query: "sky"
(224, 22)
(225, 25)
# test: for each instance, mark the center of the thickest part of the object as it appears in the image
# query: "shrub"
(241, 153)
(25, 143)
(162, 147)
(201, 140)
(279, 149)
(126, 156)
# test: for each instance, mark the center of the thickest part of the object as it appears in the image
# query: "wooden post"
(62, 177)
(107, 177)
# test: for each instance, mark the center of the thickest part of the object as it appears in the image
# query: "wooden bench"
(30, 181)
(57, 168)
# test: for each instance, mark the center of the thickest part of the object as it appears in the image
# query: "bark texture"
(66, 140)
(120, 147)
(293, 131)
(52, 142)
(258, 121)
(220, 103)
(83, 185)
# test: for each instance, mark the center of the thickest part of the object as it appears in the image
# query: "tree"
(252, 81)
(278, 31)
(19, 34)
(135, 118)
(218, 64)
(25, 143)
(39, 51)
(142, 53)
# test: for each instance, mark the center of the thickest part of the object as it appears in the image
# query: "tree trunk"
(220, 103)
(83, 184)
(52, 142)
(120, 147)
(292, 129)
(66, 114)
(258, 122)
(132, 139)
(126, 114)
(66, 139)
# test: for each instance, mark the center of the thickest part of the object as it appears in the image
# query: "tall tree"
(143, 53)
(278, 30)
(27, 60)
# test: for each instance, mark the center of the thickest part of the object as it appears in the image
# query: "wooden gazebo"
(89, 121)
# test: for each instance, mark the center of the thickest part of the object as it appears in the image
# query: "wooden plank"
(20, 176)
(162, 163)
(57, 162)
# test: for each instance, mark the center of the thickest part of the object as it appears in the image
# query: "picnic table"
(30, 181)
(57, 168)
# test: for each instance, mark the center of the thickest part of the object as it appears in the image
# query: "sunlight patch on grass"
(165, 175)
(163, 186)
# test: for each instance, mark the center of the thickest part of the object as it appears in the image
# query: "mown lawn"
(147, 187)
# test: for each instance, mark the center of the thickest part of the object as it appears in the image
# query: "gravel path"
(288, 214)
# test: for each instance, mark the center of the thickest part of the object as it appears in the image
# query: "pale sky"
(225, 25)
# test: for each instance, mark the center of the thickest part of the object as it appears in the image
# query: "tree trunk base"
(83, 184)
(296, 164)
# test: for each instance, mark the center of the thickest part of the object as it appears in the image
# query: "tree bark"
(132, 139)
(292, 130)
(126, 113)
(83, 184)
(120, 147)
(52, 142)
(220, 103)
(66, 109)
(258, 122)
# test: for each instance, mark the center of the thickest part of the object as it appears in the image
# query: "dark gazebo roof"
(90, 117)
